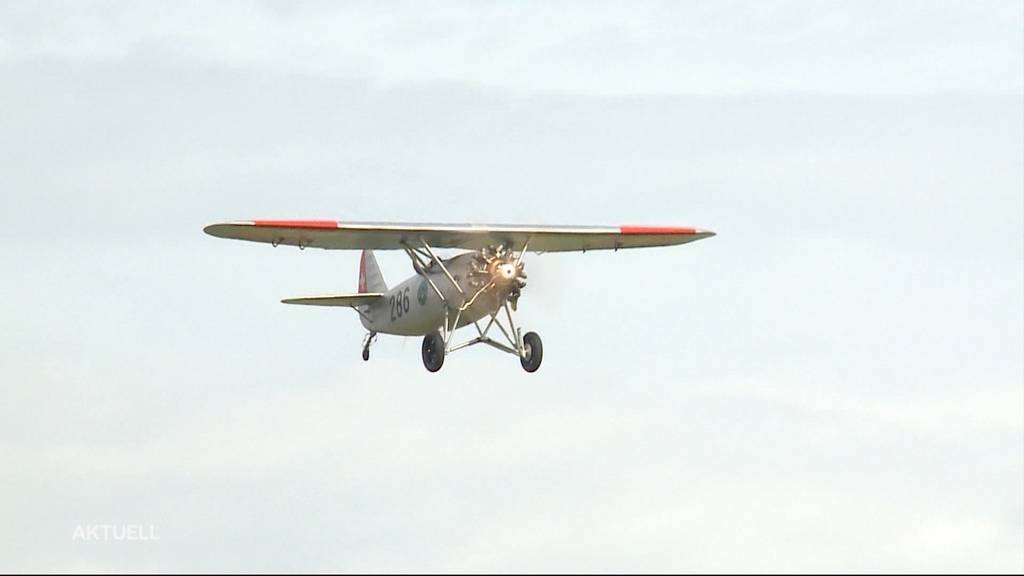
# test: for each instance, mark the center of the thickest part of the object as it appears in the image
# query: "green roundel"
(421, 294)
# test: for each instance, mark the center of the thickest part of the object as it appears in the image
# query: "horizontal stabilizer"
(349, 300)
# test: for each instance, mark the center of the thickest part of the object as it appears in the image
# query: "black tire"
(433, 351)
(366, 354)
(534, 352)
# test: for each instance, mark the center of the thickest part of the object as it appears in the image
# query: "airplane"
(445, 294)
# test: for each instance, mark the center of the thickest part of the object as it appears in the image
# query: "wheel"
(366, 354)
(433, 351)
(533, 352)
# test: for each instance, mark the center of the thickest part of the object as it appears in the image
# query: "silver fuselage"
(413, 308)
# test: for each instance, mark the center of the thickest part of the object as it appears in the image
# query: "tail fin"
(370, 278)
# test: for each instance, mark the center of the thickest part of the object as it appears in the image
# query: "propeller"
(501, 266)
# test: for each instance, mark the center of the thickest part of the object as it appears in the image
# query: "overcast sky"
(835, 382)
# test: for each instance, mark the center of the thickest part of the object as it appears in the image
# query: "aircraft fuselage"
(413, 308)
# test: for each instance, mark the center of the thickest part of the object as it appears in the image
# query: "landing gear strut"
(501, 270)
(370, 337)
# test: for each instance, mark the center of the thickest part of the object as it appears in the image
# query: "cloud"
(610, 49)
(832, 383)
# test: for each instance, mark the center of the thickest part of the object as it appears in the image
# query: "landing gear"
(370, 337)
(533, 352)
(433, 351)
(495, 269)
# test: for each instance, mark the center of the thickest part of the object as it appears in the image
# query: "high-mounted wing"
(333, 235)
(350, 300)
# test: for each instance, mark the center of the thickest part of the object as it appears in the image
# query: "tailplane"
(370, 278)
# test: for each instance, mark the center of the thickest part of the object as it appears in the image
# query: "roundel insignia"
(421, 294)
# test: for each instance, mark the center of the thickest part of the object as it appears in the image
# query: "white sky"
(835, 382)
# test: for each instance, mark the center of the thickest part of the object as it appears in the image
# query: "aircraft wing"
(350, 300)
(332, 235)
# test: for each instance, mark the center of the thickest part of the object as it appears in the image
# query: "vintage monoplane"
(446, 294)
